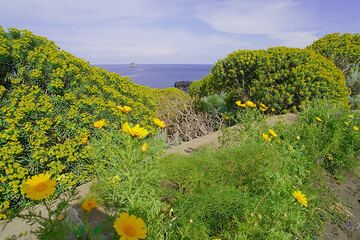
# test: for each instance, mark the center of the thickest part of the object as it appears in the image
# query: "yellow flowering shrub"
(49, 103)
(342, 49)
(280, 77)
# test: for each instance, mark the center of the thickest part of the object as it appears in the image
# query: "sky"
(177, 31)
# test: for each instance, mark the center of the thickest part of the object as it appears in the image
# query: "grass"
(241, 191)
(245, 191)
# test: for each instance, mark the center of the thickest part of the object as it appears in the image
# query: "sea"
(160, 75)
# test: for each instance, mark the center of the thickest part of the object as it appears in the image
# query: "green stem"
(48, 208)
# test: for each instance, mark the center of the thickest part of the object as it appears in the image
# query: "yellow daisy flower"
(297, 137)
(144, 147)
(130, 227)
(39, 186)
(6, 204)
(100, 124)
(356, 128)
(136, 131)
(126, 128)
(124, 109)
(88, 205)
(139, 132)
(266, 137)
(301, 198)
(159, 123)
(239, 104)
(250, 104)
(272, 133)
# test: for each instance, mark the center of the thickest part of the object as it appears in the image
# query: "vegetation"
(244, 191)
(251, 188)
(342, 49)
(64, 122)
(50, 101)
(281, 78)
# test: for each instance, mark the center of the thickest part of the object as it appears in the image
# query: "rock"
(73, 218)
(183, 85)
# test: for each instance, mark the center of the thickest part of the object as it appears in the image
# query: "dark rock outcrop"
(183, 85)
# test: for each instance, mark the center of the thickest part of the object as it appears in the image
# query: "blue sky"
(177, 31)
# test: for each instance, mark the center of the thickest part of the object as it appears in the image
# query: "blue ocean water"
(160, 75)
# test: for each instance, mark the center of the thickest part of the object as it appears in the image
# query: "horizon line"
(154, 63)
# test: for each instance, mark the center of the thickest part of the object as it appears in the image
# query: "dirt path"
(212, 139)
(348, 196)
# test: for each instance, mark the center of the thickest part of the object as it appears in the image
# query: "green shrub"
(49, 102)
(213, 104)
(343, 50)
(128, 178)
(244, 191)
(200, 88)
(353, 81)
(334, 141)
(281, 78)
(239, 192)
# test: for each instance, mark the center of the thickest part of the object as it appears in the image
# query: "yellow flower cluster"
(100, 124)
(52, 107)
(40, 187)
(250, 104)
(350, 123)
(136, 131)
(124, 109)
(269, 136)
(263, 107)
(3, 207)
(159, 123)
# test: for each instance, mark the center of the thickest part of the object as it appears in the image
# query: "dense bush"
(281, 78)
(49, 102)
(201, 87)
(343, 50)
